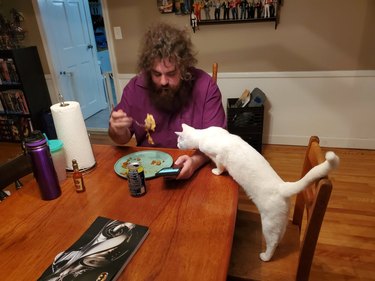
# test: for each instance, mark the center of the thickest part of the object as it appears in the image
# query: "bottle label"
(79, 184)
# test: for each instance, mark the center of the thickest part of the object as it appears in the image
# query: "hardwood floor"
(346, 246)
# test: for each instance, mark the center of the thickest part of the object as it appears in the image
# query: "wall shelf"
(231, 21)
(241, 12)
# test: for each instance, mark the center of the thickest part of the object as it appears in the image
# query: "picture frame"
(179, 7)
(165, 6)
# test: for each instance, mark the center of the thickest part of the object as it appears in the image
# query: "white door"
(68, 28)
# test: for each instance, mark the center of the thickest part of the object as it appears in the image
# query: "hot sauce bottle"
(77, 177)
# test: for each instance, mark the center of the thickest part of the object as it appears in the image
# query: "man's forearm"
(199, 159)
(120, 138)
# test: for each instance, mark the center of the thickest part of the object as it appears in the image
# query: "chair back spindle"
(214, 71)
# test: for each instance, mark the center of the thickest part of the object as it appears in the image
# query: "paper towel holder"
(62, 101)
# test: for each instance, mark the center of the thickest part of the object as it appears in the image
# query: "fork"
(138, 124)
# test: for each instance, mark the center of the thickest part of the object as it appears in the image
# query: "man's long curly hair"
(163, 41)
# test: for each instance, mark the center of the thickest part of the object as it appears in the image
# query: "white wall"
(337, 106)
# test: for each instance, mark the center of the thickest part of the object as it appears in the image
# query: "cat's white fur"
(251, 170)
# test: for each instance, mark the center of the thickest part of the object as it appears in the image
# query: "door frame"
(111, 49)
(111, 52)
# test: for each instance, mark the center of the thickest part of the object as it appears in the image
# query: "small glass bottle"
(77, 177)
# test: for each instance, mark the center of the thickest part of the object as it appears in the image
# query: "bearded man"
(173, 91)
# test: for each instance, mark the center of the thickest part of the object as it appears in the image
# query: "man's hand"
(119, 120)
(189, 164)
(119, 124)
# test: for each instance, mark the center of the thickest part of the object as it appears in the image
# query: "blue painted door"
(68, 28)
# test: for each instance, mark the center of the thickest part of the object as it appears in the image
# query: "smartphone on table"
(168, 172)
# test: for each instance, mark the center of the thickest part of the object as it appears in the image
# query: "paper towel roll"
(71, 129)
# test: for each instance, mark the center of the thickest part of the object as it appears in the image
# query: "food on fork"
(150, 122)
(150, 125)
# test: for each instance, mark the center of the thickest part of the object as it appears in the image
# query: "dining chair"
(214, 71)
(14, 169)
(294, 255)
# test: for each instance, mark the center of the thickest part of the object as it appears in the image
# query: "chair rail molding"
(338, 106)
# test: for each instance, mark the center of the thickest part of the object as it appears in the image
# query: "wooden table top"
(191, 222)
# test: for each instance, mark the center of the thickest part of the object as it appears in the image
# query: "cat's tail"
(319, 171)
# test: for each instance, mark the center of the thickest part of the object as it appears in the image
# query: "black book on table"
(101, 253)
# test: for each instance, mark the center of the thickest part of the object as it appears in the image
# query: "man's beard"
(170, 99)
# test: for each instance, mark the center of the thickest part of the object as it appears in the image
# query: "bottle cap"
(35, 139)
(55, 145)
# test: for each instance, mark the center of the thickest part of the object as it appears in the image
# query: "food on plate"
(156, 162)
(125, 164)
(129, 160)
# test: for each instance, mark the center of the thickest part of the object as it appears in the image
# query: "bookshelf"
(24, 96)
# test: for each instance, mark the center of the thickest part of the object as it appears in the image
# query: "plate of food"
(152, 161)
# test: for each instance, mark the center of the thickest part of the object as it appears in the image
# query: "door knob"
(66, 73)
(89, 46)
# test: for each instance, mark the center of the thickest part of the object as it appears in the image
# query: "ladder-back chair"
(12, 171)
(214, 71)
(293, 257)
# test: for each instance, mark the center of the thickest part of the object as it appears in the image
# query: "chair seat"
(14, 169)
(248, 243)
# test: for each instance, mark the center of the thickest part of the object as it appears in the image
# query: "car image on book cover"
(101, 253)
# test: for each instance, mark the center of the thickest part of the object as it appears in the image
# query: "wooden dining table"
(191, 222)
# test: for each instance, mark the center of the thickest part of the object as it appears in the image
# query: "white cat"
(252, 171)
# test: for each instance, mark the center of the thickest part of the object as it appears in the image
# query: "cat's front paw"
(216, 171)
(264, 257)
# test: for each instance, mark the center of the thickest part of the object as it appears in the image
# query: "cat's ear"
(186, 127)
(178, 133)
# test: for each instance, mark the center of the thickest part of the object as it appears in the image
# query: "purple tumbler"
(44, 171)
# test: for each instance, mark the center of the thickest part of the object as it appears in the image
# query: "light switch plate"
(117, 32)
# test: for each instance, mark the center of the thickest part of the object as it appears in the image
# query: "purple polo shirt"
(205, 109)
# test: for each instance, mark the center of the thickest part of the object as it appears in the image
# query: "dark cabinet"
(24, 96)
